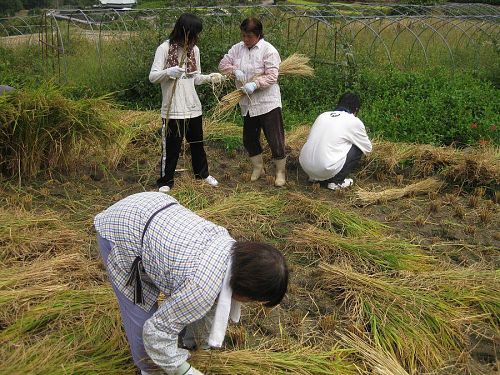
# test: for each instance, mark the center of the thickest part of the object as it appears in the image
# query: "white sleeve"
(359, 137)
(199, 79)
(158, 73)
(160, 332)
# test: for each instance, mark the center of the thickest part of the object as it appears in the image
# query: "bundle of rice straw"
(294, 65)
(422, 187)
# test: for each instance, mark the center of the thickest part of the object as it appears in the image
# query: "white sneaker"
(346, 183)
(211, 181)
(164, 189)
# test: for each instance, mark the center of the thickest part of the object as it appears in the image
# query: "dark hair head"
(252, 25)
(259, 272)
(187, 26)
(349, 101)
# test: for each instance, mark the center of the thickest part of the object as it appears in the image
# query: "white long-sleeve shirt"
(185, 103)
(331, 137)
(261, 65)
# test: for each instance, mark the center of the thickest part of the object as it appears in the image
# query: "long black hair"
(187, 26)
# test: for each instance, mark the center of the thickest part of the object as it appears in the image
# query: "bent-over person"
(150, 244)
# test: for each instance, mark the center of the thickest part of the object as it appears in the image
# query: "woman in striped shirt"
(254, 63)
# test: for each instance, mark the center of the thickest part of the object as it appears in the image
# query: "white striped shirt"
(184, 256)
(261, 65)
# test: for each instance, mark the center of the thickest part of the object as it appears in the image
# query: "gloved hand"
(249, 88)
(240, 76)
(175, 71)
(187, 369)
(216, 77)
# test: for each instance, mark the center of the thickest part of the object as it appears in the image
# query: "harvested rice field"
(397, 275)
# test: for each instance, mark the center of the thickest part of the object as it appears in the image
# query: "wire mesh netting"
(406, 36)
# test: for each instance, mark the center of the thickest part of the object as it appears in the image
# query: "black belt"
(134, 276)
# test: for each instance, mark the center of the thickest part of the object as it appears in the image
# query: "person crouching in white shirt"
(176, 67)
(335, 145)
(255, 66)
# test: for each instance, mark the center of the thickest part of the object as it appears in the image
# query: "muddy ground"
(459, 226)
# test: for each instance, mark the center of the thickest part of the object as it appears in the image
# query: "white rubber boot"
(258, 167)
(280, 172)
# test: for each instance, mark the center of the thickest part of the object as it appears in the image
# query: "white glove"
(249, 88)
(216, 77)
(175, 71)
(240, 76)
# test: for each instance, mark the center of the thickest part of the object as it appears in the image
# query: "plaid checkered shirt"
(184, 256)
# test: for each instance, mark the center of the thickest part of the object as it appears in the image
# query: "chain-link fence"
(406, 36)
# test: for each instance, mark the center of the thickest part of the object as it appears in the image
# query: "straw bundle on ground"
(468, 167)
(42, 128)
(419, 326)
(367, 252)
(294, 360)
(477, 289)
(22, 285)
(381, 363)
(325, 215)
(130, 131)
(246, 213)
(33, 234)
(421, 187)
(77, 332)
(294, 65)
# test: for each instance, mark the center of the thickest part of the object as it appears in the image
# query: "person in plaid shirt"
(151, 244)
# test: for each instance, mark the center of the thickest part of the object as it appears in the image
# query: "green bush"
(426, 106)
(430, 107)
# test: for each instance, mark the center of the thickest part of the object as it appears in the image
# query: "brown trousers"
(272, 124)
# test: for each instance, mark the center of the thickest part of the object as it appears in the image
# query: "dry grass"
(22, 284)
(325, 215)
(77, 332)
(416, 328)
(468, 168)
(418, 188)
(276, 360)
(366, 252)
(43, 129)
(28, 235)
(380, 362)
(247, 214)
(420, 320)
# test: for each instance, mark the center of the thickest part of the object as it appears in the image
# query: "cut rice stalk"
(295, 360)
(382, 363)
(421, 187)
(415, 325)
(370, 253)
(294, 65)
